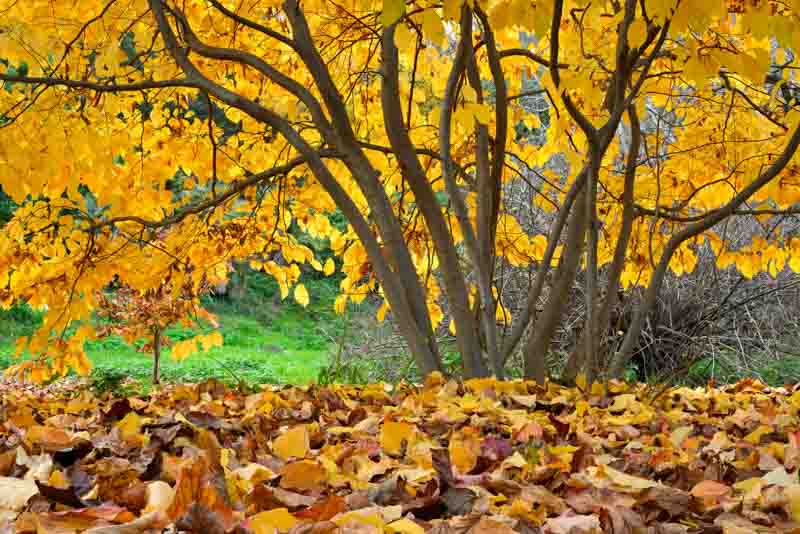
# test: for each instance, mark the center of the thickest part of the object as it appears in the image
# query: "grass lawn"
(253, 352)
(267, 343)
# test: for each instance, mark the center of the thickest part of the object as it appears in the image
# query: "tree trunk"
(157, 356)
(576, 362)
(538, 343)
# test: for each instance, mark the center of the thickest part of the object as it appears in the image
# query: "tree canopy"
(155, 140)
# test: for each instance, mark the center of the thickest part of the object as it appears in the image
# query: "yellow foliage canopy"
(216, 127)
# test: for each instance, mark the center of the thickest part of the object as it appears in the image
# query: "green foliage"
(349, 372)
(775, 372)
(7, 208)
(20, 320)
(264, 342)
(113, 380)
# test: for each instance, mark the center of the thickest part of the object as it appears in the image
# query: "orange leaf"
(303, 475)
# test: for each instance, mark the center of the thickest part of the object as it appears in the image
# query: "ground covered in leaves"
(480, 457)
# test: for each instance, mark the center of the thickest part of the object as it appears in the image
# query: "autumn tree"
(226, 122)
(145, 316)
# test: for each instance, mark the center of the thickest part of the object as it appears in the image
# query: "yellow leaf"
(292, 444)
(581, 382)
(432, 26)
(464, 452)
(755, 436)
(404, 526)
(301, 295)
(793, 496)
(393, 434)
(637, 32)
(272, 520)
(452, 9)
(482, 112)
(130, 425)
(340, 304)
(369, 519)
(330, 267)
(623, 480)
(532, 121)
(464, 117)
(210, 341)
(404, 37)
(679, 435)
(748, 485)
(57, 480)
(392, 11)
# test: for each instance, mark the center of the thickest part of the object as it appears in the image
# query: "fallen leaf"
(151, 521)
(679, 435)
(303, 476)
(710, 491)
(394, 434)
(576, 524)
(15, 493)
(279, 520)
(158, 497)
(488, 525)
(292, 444)
(198, 519)
(324, 510)
(780, 477)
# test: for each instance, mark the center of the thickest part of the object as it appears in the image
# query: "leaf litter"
(478, 457)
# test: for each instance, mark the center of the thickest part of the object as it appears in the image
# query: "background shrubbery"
(709, 325)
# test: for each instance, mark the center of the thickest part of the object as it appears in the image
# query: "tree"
(226, 122)
(137, 316)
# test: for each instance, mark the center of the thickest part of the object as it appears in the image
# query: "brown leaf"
(621, 520)
(488, 525)
(266, 498)
(67, 497)
(324, 527)
(151, 521)
(200, 520)
(710, 490)
(82, 519)
(459, 501)
(196, 485)
(443, 468)
(671, 500)
(8, 460)
(573, 524)
(542, 496)
(324, 510)
(305, 475)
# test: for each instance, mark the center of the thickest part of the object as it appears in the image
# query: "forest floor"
(482, 457)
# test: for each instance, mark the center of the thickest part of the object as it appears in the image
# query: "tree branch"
(97, 86)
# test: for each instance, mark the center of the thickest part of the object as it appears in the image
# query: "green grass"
(265, 340)
(252, 352)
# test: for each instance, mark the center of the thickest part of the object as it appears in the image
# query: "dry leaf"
(303, 476)
(292, 444)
